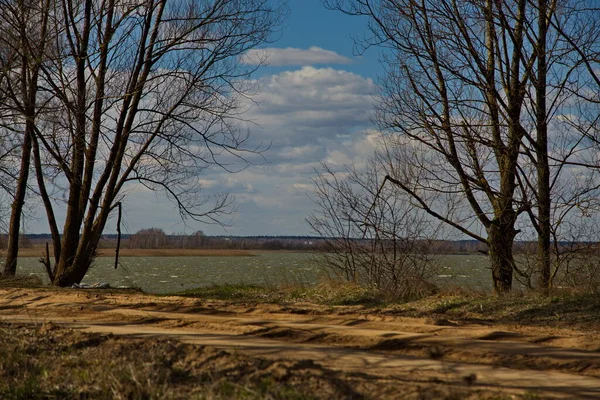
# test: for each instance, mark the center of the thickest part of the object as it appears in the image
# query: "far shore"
(39, 251)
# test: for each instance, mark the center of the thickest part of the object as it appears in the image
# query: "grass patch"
(566, 308)
(328, 293)
(240, 292)
(20, 282)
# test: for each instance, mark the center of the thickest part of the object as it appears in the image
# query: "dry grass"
(327, 292)
(20, 282)
(51, 362)
(561, 308)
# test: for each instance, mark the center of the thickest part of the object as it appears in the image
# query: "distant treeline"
(155, 238)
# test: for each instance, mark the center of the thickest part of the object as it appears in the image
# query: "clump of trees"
(103, 95)
(153, 238)
(156, 238)
(489, 113)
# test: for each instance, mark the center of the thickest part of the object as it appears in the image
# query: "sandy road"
(545, 361)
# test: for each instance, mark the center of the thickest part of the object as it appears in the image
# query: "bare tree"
(454, 92)
(23, 40)
(153, 238)
(559, 179)
(472, 99)
(138, 92)
(370, 235)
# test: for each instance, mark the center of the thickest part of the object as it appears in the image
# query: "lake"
(173, 274)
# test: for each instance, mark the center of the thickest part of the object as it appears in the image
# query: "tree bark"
(500, 240)
(74, 271)
(12, 253)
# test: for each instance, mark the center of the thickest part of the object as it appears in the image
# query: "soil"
(373, 354)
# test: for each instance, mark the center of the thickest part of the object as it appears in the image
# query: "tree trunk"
(500, 240)
(74, 270)
(10, 267)
(39, 173)
(69, 240)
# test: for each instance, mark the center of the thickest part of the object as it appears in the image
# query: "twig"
(118, 235)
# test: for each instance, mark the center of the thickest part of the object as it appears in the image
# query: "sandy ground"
(386, 350)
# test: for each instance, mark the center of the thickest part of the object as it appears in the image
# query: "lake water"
(172, 274)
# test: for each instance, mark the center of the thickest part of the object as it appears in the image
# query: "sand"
(481, 358)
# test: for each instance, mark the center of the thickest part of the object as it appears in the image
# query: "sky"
(315, 106)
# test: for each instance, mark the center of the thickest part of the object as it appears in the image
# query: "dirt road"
(483, 357)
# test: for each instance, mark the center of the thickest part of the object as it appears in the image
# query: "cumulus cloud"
(310, 116)
(301, 107)
(290, 56)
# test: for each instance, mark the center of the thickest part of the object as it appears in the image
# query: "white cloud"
(290, 56)
(299, 107)
(303, 187)
(207, 183)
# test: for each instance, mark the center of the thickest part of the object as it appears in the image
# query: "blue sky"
(315, 105)
(309, 24)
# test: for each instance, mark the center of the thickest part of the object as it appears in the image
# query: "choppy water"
(172, 274)
(472, 271)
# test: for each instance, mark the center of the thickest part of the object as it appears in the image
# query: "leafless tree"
(153, 238)
(471, 100)
(556, 172)
(139, 92)
(371, 236)
(23, 39)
